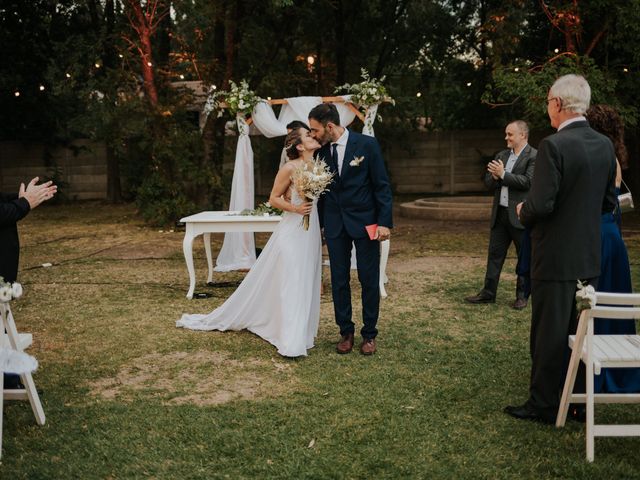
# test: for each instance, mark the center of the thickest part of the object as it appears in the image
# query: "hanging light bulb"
(181, 77)
(468, 84)
(68, 75)
(419, 94)
(42, 88)
(17, 94)
(149, 64)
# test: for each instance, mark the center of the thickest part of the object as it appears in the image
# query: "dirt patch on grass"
(432, 265)
(198, 378)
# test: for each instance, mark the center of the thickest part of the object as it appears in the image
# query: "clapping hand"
(36, 194)
(496, 169)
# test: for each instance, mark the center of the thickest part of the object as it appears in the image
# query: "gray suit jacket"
(573, 184)
(518, 181)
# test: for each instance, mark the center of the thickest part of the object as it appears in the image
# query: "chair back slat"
(630, 299)
(615, 313)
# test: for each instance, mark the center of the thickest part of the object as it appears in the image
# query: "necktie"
(334, 155)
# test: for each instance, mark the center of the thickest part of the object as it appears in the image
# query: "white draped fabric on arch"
(238, 250)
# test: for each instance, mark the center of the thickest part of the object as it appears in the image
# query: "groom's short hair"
(325, 113)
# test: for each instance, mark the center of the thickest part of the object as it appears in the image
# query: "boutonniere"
(356, 161)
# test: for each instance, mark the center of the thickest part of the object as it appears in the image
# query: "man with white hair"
(572, 185)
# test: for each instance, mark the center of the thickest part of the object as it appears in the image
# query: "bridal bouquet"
(9, 291)
(311, 179)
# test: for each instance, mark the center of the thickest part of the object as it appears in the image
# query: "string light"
(419, 94)
(268, 98)
(149, 64)
(468, 84)
(121, 55)
(516, 69)
(42, 88)
(625, 70)
(557, 51)
(97, 65)
(214, 87)
(17, 94)
(181, 77)
(311, 60)
(68, 75)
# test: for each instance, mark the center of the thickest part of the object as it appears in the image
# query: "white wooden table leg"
(207, 249)
(187, 248)
(384, 257)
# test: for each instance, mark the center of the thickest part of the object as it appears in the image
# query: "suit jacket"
(361, 195)
(573, 184)
(12, 209)
(518, 181)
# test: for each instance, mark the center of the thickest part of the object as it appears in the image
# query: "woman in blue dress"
(615, 275)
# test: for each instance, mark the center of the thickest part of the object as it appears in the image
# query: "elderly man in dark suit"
(13, 208)
(572, 186)
(509, 178)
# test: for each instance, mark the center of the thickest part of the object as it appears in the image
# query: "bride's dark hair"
(294, 138)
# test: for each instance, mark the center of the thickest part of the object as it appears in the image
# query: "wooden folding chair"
(598, 352)
(18, 342)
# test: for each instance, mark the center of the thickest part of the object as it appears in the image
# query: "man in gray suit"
(573, 184)
(509, 178)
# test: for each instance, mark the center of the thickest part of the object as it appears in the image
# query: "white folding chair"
(16, 342)
(598, 352)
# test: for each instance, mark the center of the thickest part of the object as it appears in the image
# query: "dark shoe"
(526, 412)
(346, 343)
(519, 304)
(482, 297)
(577, 413)
(368, 346)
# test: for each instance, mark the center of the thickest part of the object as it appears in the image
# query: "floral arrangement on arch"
(370, 91)
(238, 99)
(9, 291)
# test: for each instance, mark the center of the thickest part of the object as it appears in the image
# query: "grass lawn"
(128, 395)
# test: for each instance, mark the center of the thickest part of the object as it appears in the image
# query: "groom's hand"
(382, 233)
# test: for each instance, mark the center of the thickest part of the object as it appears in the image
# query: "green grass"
(127, 395)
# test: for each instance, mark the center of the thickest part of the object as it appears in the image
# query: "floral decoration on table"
(356, 161)
(585, 296)
(9, 291)
(263, 210)
(370, 91)
(311, 179)
(238, 99)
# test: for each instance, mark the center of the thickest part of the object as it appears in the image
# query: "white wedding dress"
(279, 299)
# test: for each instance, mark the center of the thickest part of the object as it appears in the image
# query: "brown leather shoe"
(346, 343)
(519, 304)
(368, 346)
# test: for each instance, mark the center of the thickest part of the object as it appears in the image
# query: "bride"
(279, 299)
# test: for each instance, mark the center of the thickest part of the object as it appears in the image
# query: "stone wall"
(421, 163)
(82, 168)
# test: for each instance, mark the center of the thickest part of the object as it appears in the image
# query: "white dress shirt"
(504, 191)
(341, 147)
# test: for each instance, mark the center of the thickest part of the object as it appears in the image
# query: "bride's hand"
(304, 208)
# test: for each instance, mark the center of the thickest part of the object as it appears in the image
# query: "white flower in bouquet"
(240, 98)
(586, 297)
(9, 291)
(16, 290)
(5, 293)
(310, 180)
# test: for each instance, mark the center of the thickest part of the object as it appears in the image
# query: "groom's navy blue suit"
(359, 196)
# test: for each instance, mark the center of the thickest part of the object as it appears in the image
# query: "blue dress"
(615, 276)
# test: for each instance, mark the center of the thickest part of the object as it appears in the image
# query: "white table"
(206, 223)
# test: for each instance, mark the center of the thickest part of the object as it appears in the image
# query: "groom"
(359, 196)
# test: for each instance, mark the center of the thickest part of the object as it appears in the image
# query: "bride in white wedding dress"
(279, 299)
